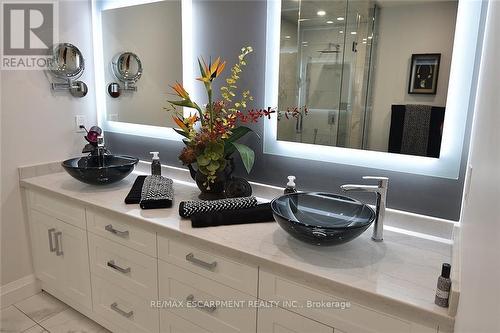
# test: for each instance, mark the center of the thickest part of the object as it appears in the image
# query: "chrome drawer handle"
(58, 237)
(208, 265)
(52, 248)
(112, 264)
(115, 308)
(110, 228)
(200, 306)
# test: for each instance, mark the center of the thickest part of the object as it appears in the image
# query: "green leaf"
(202, 70)
(247, 155)
(213, 166)
(238, 133)
(203, 160)
(181, 132)
(183, 102)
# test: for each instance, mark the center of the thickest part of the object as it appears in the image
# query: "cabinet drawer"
(128, 268)
(120, 230)
(121, 308)
(170, 323)
(352, 318)
(61, 209)
(187, 287)
(230, 273)
(276, 320)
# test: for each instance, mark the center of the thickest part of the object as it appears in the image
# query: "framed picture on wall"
(424, 72)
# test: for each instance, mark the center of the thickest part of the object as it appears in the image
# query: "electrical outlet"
(79, 121)
(113, 117)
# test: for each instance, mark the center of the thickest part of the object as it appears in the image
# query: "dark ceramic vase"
(212, 189)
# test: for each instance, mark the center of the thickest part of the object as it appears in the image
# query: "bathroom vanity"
(128, 268)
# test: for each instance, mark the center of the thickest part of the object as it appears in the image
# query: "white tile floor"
(43, 313)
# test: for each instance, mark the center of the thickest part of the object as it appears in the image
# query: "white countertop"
(397, 276)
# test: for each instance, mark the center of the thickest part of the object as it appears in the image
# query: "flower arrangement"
(212, 131)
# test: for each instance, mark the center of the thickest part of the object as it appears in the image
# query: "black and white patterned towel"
(188, 208)
(157, 192)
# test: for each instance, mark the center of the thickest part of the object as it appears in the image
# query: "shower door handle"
(354, 46)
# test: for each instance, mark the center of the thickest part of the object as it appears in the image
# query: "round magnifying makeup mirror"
(68, 64)
(127, 67)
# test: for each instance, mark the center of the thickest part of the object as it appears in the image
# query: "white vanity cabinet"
(188, 274)
(342, 315)
(60, 256)
(124, 272)
(276, 320)
(113, 268)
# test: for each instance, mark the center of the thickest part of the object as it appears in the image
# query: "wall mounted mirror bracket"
(67, 67)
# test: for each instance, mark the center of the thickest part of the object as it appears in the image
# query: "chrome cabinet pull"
(126, 314)
(208, 265)
(110, 228)
(200, 306)
(52, 248)
(58, 237)
(112, 264)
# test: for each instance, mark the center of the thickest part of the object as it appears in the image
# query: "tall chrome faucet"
(381, 191)
(101, 148)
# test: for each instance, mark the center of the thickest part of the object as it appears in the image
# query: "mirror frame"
(469, 31)
(100, 66)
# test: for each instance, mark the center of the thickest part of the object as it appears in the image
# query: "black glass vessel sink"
(322, 218)
(100, 170)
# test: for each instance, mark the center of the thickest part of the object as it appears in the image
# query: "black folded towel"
(257, 214)
(188, 208)
(134, 196)
(157, 192)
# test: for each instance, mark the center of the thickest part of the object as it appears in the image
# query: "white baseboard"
(18, 290)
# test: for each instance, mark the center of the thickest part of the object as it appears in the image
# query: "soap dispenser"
(156, 165)
(290, 186)
(443, 286)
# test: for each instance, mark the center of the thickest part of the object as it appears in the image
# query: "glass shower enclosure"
(325, 63)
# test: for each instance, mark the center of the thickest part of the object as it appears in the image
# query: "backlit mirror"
(369, 75)
(143, 40)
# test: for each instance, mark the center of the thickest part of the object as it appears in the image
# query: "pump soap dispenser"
(156, 165)
(290, 186)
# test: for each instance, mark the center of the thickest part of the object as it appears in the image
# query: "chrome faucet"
(381, 191)
(101, 148)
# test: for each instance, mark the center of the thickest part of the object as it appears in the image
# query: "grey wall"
(222, 28)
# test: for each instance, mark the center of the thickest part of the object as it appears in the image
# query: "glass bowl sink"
(100, 170)
(322, 218)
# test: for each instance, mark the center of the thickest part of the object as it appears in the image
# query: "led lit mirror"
(141, 55)
(370, 75)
